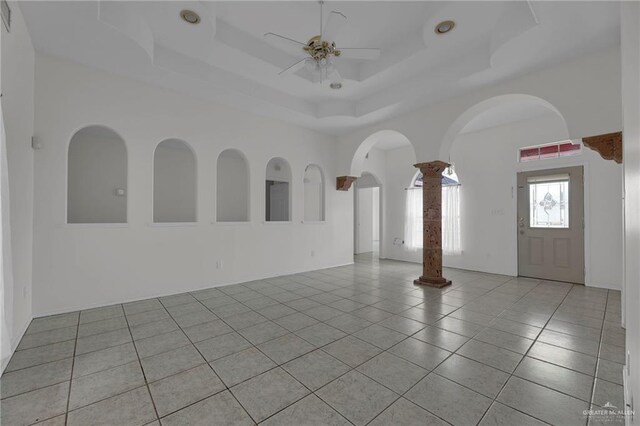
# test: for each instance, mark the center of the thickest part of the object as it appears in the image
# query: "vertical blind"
(450, 219)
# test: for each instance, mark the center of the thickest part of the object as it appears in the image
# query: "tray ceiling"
(225, 59)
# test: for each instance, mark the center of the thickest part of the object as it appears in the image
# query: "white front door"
(551, 224)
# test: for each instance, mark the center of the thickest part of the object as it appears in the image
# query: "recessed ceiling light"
(190, 16)
(336, 86)
(444, 27)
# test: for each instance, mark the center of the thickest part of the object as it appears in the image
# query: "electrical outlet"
(313, 253)
(218, 264)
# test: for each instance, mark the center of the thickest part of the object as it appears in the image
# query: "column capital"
(432, 168)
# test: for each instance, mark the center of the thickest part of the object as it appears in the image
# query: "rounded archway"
(515, 106)
(384, 140)
(484, 144)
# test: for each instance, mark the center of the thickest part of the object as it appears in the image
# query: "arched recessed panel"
(97, 177)
(232, 192)
(313, 194)
(174, 182)
(278, 191)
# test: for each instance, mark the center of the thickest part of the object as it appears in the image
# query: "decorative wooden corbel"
(343, 183)
(609, 146)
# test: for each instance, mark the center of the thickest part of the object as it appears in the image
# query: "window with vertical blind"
(450, 214)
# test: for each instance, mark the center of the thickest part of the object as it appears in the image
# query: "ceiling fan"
(321, 50)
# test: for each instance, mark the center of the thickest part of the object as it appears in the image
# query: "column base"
(432, 282)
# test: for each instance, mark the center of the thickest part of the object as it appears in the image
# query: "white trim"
(14, 344)
(95, 225)
(172, 224)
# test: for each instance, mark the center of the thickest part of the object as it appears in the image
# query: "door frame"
(551, 164)
(380, 214)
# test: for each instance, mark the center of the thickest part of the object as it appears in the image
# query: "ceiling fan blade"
(364, 53)
(334, 23)
(294, 67)
(285, 43)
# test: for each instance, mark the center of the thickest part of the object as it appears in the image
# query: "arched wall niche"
(314, 194)
(174, 182)
(96, 176)
(278, 190)
(232, 187)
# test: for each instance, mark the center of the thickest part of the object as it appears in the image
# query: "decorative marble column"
(432, 224)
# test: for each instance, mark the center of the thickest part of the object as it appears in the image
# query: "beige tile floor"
(350, 345)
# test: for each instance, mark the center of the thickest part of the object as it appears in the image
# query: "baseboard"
(14, 344)
(47, 313)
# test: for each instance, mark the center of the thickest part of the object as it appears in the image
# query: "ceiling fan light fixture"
(336, 86)
(190, 17)
(444, 27)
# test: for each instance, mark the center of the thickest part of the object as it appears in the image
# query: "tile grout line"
(351, 297)
(448, 357)
(519, 362)
(73, 360)
(144, 375)
(226, 388)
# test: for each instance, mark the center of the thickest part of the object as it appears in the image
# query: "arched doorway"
(376, 163)
(367, 215)
(501, 191)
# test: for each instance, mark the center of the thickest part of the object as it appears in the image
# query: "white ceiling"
(225, 59)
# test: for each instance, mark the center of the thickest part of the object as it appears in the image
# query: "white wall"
(232, 190)
(17, 85)
(78, 266)
(97, 168)
(375, 219)
(486, 163)
(399, 174)
(174, 183)
(631, 146)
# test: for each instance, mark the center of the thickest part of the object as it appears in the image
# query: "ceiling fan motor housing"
(321, 49)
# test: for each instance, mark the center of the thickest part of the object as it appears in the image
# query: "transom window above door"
(553, 150)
